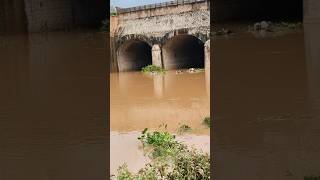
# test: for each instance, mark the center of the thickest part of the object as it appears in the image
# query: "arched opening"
(133, 55)
(183, 51)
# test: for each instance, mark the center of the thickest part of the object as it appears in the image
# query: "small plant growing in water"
(207, 121)
(153, 69)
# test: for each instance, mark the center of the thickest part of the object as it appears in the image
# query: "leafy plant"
(162, 143)
(181, 163)
(153, 69)
(124, 173)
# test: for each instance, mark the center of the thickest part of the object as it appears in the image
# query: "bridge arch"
(183, 51)
(121, 40)
(134, 54)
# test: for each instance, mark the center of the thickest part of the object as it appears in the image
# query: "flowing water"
(139, 101)
(52, 106)
(266, 106)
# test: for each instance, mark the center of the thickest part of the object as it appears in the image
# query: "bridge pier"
(207, 56)
(156, 55)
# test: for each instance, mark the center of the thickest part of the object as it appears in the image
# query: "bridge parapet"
(158, 5)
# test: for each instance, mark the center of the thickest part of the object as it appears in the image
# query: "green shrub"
(124, 173)
(181, 163)
(153, 69)
(161, 143)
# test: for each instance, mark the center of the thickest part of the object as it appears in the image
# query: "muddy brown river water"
(266, 106)
(139, 101)
(53, 106)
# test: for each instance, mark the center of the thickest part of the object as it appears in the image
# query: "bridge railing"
(158, 5)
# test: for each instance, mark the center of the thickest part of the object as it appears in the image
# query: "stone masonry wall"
(48, 14)
(113, 25)
(165, 20)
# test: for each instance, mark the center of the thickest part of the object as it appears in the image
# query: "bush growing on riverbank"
(170, 160)
(153, 69)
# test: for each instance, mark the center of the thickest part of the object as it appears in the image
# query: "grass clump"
(176, 160)
(153, 69)
(207, 121)
(184, 129)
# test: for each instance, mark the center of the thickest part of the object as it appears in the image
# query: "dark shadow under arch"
(183, 51)
(133, 55)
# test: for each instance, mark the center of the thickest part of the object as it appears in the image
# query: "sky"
(132, 3)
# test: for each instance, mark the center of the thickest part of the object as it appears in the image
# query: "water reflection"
(139, 101)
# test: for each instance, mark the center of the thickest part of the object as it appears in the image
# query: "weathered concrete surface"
(207, 55)
(114, 22)
(157, 25)
(156, 55)
(165, 19)
(179, 29)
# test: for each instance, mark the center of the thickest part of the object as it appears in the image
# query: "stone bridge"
(48, 15)
(171, 35)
